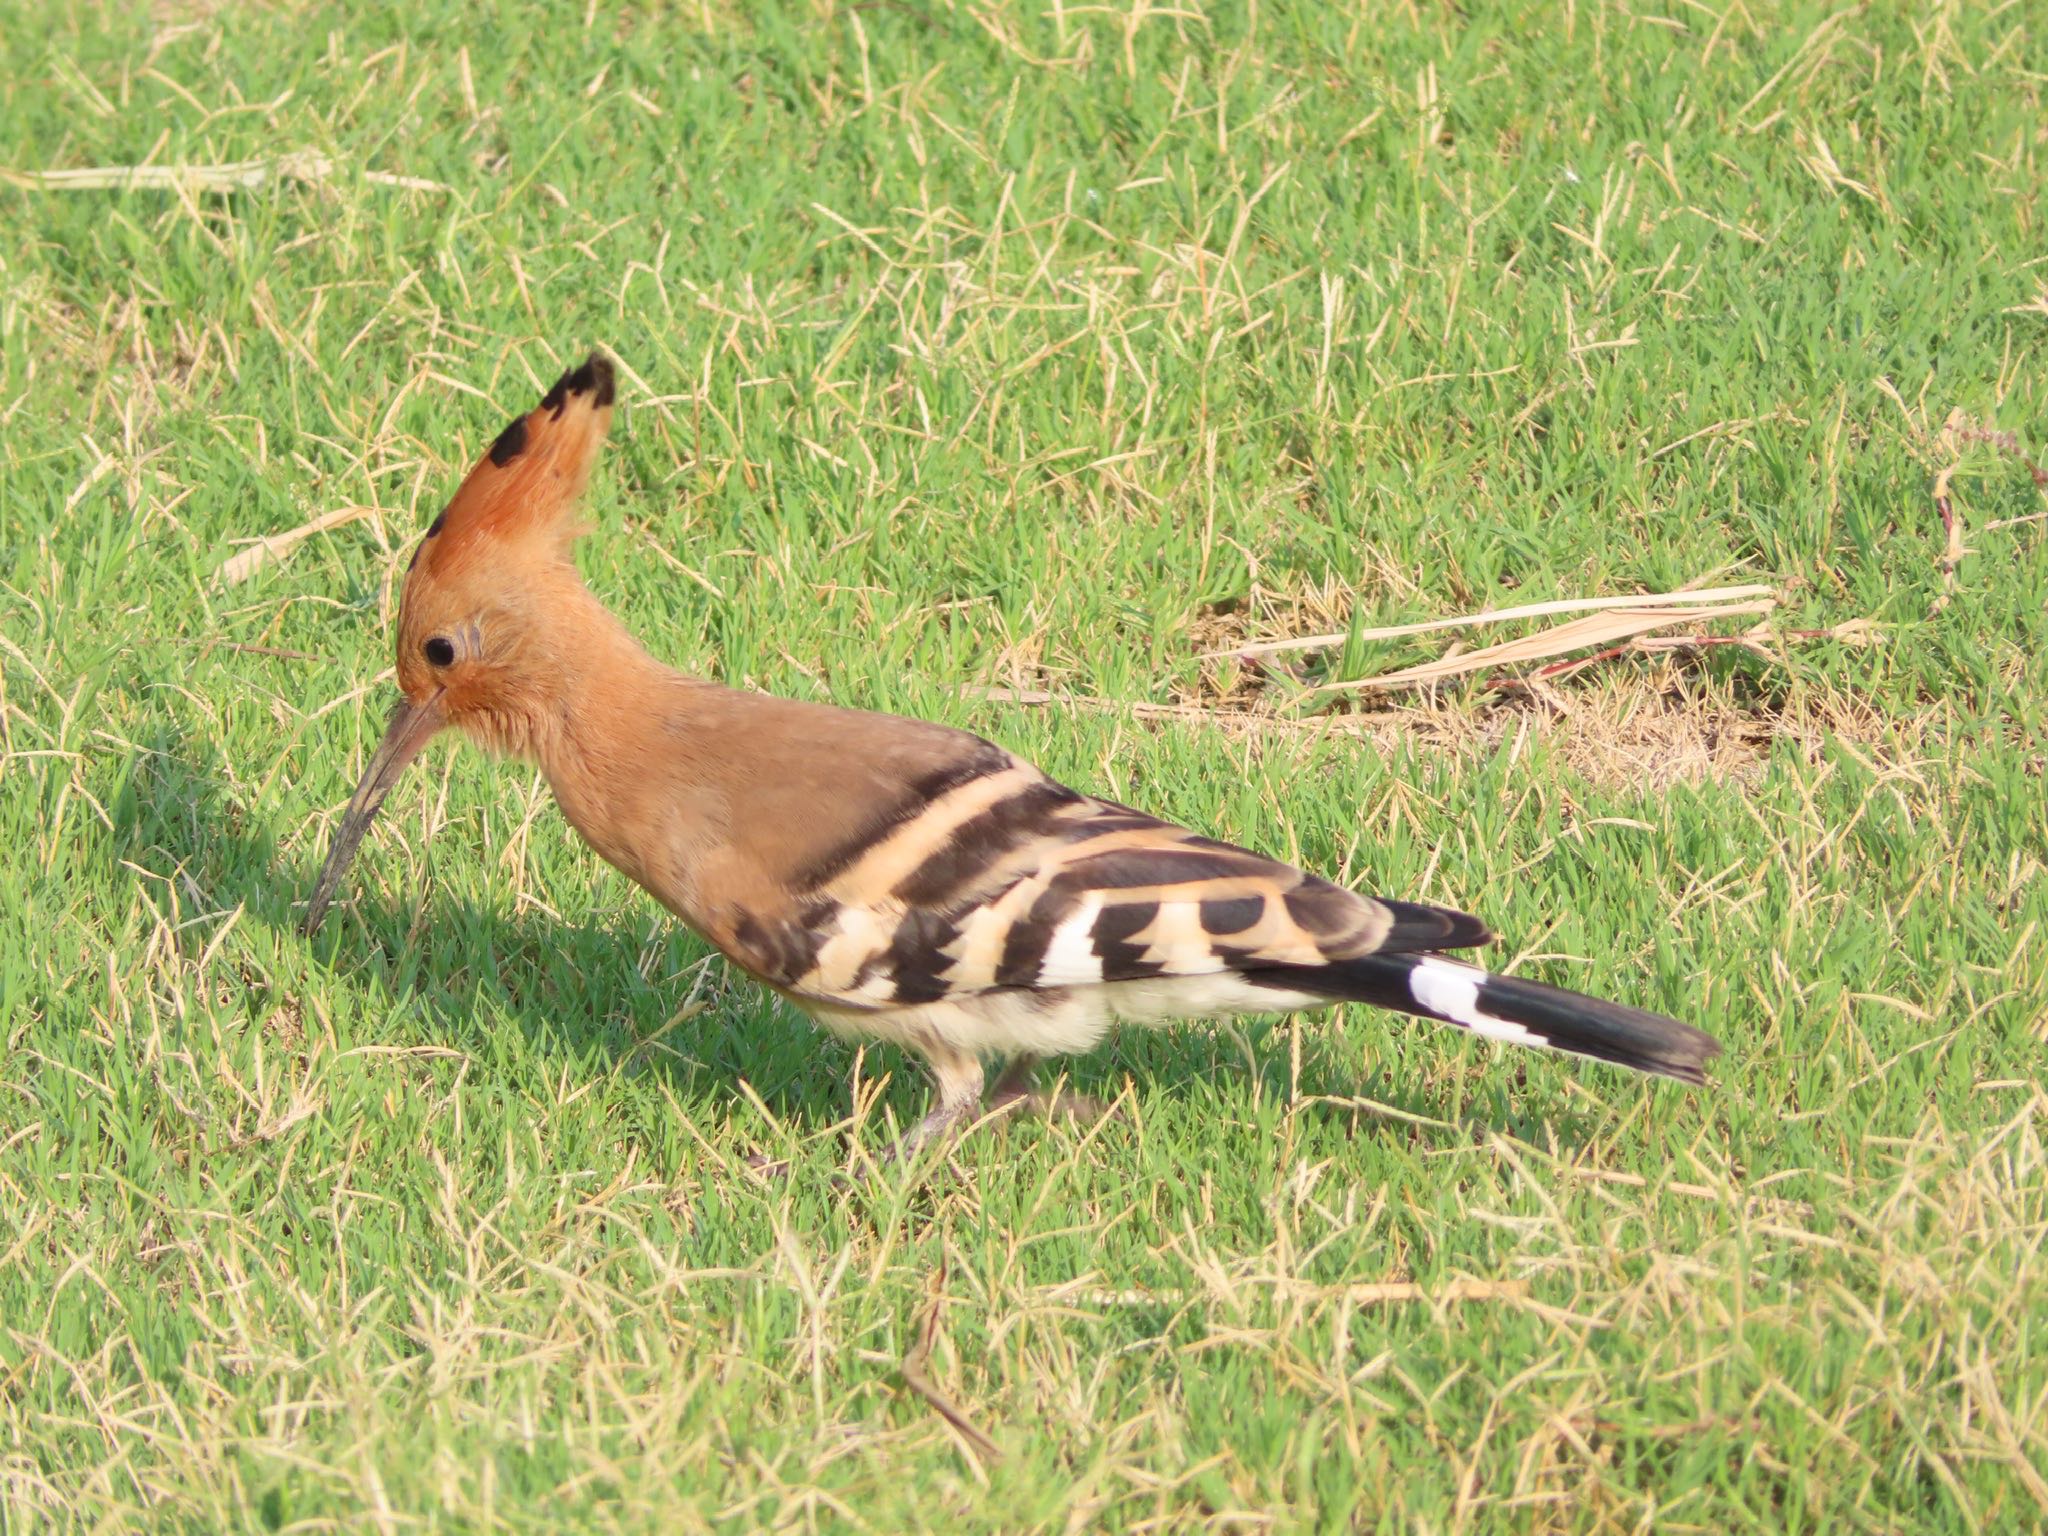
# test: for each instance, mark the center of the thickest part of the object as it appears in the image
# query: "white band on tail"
(1451, 990)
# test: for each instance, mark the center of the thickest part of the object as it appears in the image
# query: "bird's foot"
(939, 1125)
(1015, 1093)
(1060, 1105)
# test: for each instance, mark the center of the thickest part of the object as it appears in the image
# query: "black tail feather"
(1509, 1008)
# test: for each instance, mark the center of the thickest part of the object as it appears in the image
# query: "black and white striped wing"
(1009, 880)
(989, 878)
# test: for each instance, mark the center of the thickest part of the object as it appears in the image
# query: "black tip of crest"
(593, 377)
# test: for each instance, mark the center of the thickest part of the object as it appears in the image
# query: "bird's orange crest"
(525, 487)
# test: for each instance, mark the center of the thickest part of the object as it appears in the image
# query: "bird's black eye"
(440, 651)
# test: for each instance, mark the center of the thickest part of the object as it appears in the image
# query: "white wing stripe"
(1070, 958)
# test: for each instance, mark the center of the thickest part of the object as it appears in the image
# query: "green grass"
(1020, 347)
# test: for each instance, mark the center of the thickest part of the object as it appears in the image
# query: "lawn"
(1026, 367)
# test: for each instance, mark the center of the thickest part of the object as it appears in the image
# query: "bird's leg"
(958, 1076)
(1014, 1093)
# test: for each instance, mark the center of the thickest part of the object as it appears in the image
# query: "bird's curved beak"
(412, 727)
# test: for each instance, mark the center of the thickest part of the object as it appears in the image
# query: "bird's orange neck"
(604, 721)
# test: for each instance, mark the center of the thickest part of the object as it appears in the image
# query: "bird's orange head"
(486, 596)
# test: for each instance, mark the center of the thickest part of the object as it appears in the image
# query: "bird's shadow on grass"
(609, 993)
(635, 992)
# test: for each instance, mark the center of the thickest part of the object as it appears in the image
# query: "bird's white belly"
(1058, 1022)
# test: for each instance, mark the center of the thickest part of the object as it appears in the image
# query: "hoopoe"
(892, 878)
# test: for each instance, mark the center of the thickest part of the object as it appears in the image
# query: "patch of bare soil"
(1642, 716)
(1646, 727)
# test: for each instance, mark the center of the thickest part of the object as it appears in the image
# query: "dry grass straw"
(275, 548)
(1645, 601)
(305, 166)
(916, 1371)
(1587, 632)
